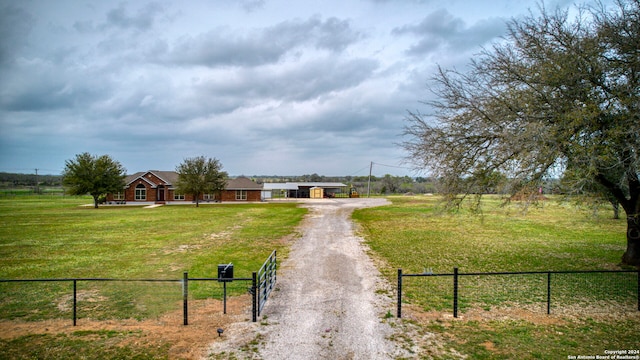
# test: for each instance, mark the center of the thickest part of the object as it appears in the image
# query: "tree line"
(13, 180)
(378, 185)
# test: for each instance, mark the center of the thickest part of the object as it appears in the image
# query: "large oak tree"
(199, 175)
(558, 97)
(94, 175)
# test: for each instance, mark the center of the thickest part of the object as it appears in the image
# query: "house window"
(141, 192)
(207, 197)
(178, 197)
(241, 194)
(118, 196)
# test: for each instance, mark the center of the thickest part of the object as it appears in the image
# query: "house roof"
(139, 175)
(279, 186)
(242, 183)
(319, 184)
(298, 185)
(169, 178)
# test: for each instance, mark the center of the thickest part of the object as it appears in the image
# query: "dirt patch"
(535, 318)
(186, 342)
(181, 249)
(490, 346)
(220, 235)
(87, 296)
(477, 314)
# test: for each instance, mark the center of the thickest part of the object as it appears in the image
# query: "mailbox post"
(225, 275)
(225, 272)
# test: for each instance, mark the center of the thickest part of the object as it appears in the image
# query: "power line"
(355, 173)
(30, 171)
(393, 166)
(371, 170)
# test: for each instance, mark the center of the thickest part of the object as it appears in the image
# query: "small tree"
(197, 176)
(93, 175)
(390, 184)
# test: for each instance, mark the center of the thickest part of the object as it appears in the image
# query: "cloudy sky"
(268, 87)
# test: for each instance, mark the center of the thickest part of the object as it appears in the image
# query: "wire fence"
(558, 292)
(111, 298)
(106, 298)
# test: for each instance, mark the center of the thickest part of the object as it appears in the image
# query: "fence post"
(549, 293)
(455, 292)
(399, 313)
(254, 302)
(75, 301)
(224, 297)
(185, 297)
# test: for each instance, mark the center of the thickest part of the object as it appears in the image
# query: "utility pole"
(37, 191)
(369, 183)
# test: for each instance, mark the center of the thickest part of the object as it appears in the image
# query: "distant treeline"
(386, 184)
(11, 180)
(389, 184)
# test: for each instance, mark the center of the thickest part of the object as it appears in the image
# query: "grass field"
(47, 237)
(505, 317)
(55, 237)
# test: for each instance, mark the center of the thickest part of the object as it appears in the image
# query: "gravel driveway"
(327, 306)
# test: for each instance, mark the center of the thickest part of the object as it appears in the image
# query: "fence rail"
(543, 283)
(262, 282)
(266, 280)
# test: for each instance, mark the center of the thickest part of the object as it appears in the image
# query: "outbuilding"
(316, 192)
(304, 190)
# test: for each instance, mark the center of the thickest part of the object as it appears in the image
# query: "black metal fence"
(554, 290)
(163, 291)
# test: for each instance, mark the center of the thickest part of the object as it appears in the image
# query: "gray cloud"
(143, 19)
(296, 82)
(440, 30)
(123, 18)
(252, 5)
(38, 85)
(225, 47)
(15, 26)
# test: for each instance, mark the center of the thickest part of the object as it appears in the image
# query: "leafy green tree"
(93, 175)
(557, 97)
(198, 175)
(390, 184)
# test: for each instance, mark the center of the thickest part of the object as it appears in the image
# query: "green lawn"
(101, 344)
(56, 237)
(416, 235)
(552, 236)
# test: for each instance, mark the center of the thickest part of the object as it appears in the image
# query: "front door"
(160, 195)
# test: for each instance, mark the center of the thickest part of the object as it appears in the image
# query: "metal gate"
(265, 281)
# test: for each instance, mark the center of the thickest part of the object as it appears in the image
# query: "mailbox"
(225, 272)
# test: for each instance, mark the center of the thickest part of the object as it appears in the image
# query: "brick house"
(155, 186)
